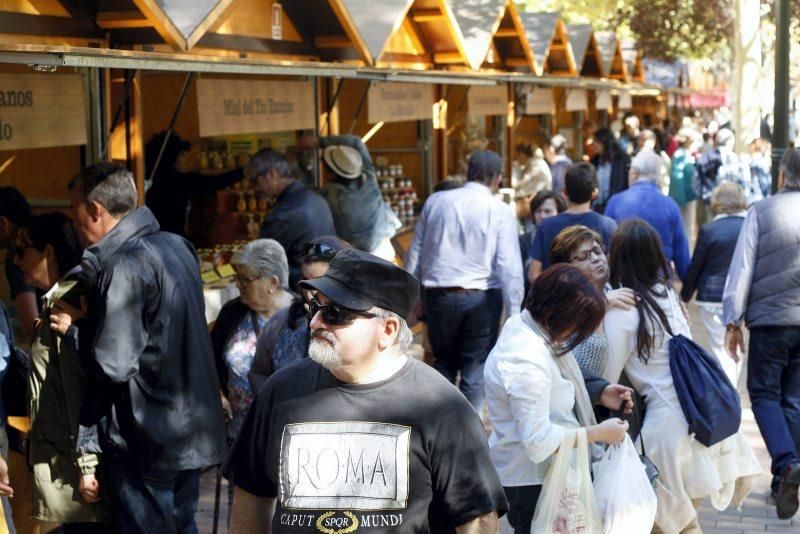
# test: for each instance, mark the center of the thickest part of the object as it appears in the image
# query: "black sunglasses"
(333, 314)
(318, 251)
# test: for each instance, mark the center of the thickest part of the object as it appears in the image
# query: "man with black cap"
(359, 435)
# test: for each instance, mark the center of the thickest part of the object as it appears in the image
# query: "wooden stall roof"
(427, 36)
(633, 63)
(611, 56)
(510, 45)
(329, 28)
(547, 36)
(476, 22)
(584, 48)
(373, 22)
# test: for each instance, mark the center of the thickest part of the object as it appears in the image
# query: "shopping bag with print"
(625, 498)
(567, 503)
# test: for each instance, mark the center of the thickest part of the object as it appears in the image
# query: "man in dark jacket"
(148, 344)
(299, 215)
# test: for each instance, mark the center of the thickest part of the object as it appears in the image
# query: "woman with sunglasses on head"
(286, 338)
(638, 342)
(536, 392)
(64, 453)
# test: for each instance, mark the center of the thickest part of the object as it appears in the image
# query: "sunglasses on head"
(318, 251)
(333, 314)
(584, 255)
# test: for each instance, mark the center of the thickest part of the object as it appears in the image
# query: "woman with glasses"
(582, 247)
(285, 340)
(262, 275)
(64, 454)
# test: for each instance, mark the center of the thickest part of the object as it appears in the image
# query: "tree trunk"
(747, 110)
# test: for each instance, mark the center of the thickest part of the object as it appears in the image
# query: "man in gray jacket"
(763, 290)
(149, 351)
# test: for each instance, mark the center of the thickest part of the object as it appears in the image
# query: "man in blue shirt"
(465, 252)
(644, 200)
(580, 186)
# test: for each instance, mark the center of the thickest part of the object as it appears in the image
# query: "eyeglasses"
(245, 280)
(318, 251)
(335, 315)
(585, 255)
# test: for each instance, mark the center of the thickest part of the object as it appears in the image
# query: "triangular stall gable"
(632, 61)
(547, 36)
(510, 44)
(329, 27)
(476, 22)
(611, 56)
(183, 23)
(375, 21)
(426, 37)
(584, 47)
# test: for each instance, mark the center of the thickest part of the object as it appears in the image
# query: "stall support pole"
(500, 137)
(360, 107)
(95, 147)
(129, 77)
(578, 117)
(178, 107)
(780, 134)
(316, 178)
(425, 144)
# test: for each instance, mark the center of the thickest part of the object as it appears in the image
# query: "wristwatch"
(732, 327)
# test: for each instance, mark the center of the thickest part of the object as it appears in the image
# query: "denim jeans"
(773, 381)
(144, 505)
(462, 329)
(522, 506)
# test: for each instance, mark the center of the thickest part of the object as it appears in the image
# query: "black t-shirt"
(16, 280)
(407, 454)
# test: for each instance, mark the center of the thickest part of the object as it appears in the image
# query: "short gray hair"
(649, 165)
(405, 337)
(110, 185)
(268, 159)
(266, 257)
(790, 165)
(728, 198)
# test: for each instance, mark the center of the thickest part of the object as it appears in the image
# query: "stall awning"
(68, 56)
(476, 21)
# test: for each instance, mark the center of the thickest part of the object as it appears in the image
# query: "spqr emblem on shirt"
(345, 465)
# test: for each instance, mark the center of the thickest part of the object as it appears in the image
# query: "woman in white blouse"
(638, 343)
(535, 389)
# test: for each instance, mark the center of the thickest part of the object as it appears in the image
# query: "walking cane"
(217, 493)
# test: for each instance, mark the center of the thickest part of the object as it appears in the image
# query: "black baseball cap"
(360, 281)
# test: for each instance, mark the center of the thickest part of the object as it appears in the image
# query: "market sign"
(625, 101)
(41, 110)
(603, 100)
(488, 100)
(393, 102)
(228, 107)
(577, 100)
(539, 101)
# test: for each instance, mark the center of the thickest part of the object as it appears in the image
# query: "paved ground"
(757, 513)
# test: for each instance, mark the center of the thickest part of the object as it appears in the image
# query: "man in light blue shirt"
(465, 252)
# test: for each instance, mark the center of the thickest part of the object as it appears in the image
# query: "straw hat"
(343, 160)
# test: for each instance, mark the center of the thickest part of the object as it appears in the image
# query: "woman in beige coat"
(62, 451)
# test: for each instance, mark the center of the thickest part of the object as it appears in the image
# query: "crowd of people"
(557, 319)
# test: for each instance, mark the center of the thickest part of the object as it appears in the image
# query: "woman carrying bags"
(638, 342)
(67, 488)
(536, 392)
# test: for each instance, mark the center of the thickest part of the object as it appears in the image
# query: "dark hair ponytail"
(636, 261)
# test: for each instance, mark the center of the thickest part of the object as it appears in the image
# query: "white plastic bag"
(625, 498)
(567, 503)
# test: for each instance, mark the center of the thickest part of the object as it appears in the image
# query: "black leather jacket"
(151, 350)
(712, 259)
